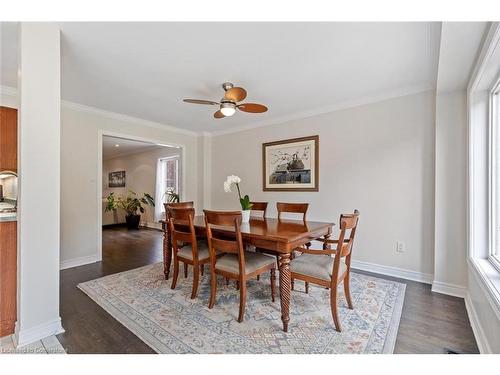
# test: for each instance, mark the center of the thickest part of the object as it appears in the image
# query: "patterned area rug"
(170, 322)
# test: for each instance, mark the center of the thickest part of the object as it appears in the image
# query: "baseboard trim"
(477, 329)
(449, 289)
(151, 225)
(24, 337)
(392, 271)
(76, 262)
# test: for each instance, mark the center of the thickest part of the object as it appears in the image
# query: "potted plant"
(172, 196)
(246, 206)
(130, 204)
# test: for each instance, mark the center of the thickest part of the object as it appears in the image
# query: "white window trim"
(483, 81)
(494, 127)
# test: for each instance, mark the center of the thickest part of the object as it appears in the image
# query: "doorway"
(136, 176)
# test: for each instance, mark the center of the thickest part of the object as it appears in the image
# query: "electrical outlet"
(400, 247)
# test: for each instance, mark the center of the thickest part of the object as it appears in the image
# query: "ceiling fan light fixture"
(227, 109)
(230, 102)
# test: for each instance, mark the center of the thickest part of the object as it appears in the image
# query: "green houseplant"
(172, 196)
(131, 204)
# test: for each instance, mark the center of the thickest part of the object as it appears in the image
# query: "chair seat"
(317, 266)
(187, 253)
(253, 261)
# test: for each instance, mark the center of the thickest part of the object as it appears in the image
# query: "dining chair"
(235, 263)
(178, 205)
(185, 247)
(317, 265)
(296, 208)
(259, 206)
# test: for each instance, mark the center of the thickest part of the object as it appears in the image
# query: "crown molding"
(125, 118)
(346, 104)
(380, 97)
(11, 91)
(489, 44)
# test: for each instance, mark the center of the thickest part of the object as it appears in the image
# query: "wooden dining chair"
(296, 208)
(175, 205)
(317, 265)
(185, 247)
(259, 206)
(235, 263)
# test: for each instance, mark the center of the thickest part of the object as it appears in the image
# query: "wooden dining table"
(279, 236)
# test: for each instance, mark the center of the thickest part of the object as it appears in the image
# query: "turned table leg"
(285, 289)
(326, 237)
(167, 251)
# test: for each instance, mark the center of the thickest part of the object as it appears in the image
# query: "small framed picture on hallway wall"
(291, 164)
(116, 179)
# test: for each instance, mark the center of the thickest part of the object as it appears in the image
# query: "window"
(171, 182)
(495, 175)
(167, 180)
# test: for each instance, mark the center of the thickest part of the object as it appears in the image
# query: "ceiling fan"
(229, 103)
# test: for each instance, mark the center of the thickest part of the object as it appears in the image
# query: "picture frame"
(291, 164)
(116, 179)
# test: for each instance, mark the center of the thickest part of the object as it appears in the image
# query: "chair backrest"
(179, 220)
(177, 205)
(348, 226)
(259, 206)
(298, 208)
(224, 244)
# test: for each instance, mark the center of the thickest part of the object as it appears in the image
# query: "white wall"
(79, 170)
(140, 173)
(450, 269)
(378, 158)
(39, 182)
(8, 97)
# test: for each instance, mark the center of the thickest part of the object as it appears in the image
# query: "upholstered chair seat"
(317, 266)
(253, 262)
(186, 252)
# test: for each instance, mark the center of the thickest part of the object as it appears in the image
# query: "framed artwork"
(116, 179)
(291, 164)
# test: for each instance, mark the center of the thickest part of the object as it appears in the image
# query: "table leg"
(167, 252)
(327, 236)
(285, 289)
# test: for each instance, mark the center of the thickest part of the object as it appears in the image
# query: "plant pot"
(245, 216)
(133, 221)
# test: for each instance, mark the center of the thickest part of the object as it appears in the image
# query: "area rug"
(170, 322)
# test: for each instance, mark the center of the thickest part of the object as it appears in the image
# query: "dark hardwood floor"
(431, 322)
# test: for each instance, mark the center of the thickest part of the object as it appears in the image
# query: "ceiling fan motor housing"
(227, 86)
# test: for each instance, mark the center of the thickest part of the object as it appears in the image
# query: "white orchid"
(233, 179)
(245, 201)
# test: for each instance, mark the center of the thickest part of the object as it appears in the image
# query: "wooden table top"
(283, 230)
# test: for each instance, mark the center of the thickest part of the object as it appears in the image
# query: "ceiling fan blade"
(219, 114)
(252, 107)
(200, 101)
(236, 94)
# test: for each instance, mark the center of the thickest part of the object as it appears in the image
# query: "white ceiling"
(146, 69)
(125, 147)
(458, 39)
